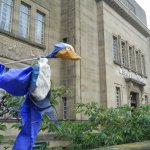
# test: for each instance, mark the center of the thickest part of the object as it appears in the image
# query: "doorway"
(134, 99)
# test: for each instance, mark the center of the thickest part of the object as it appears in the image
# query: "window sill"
(129, 69)
(28, 41)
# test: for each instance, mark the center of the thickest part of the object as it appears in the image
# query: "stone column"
(15, 16)
(32, 24)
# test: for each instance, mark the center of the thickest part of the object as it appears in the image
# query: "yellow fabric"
(68, 53)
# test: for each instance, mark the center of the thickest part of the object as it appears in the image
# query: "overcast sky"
(145, 4)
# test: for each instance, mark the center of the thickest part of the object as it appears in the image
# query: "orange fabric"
(68, 53)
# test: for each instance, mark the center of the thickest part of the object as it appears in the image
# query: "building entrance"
(134, 99)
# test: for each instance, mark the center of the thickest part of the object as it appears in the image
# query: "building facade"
(111, 36)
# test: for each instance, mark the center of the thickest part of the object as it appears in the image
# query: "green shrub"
(12, 109)
(107, 126)
(2, 128)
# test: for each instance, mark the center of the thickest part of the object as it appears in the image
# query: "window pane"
(24, 9)
(24, 20)
(130, 57)
(137, 62)
(40, 17)
(129, 5)
(123, 53)
(9, 2)
(118, 97)
(115, 48)
(39, 28)
(146, 99)
(5, 14)
(64, 107)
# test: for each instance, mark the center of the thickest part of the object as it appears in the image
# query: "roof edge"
(128, 15)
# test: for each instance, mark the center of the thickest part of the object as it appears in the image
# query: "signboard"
(131, 75)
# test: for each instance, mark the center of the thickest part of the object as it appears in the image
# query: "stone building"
(111, 36)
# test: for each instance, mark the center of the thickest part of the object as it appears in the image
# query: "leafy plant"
(2, 128)
(11, 105)
(107, 126)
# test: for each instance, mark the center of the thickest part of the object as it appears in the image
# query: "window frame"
(11, 15)
(131, 57)
(129, 6)
(146, 101)
(28, 23)
(64, 100)
(43, 26)
(125, 53)
(115, 51)
(118, 96)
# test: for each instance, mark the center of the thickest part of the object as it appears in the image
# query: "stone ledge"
(131, 146)
(42, 137)
(17, 37)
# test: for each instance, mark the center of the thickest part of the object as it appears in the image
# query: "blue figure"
(34, 82)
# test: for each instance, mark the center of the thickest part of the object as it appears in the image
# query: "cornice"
(128, 15)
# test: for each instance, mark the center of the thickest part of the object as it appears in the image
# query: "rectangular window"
(123, 53)
(6, 14)
(128, 5)
(24, 20)
(130, 57)
(137, 61)
(118, 96)
(64, 107)
(143, 65)
(39, 28)
(146, 99)
(115, 48)
(65, 40)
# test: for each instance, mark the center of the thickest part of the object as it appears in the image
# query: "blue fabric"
(2, 69)
(43, 104)
(31, 119)
(16, 81)
(50, 113)
(35, 74)
(19, 82)
(57, 48)
(31, 114)
(45, 107)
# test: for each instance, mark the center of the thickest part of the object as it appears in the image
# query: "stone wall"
(114, 24)
(87, 70)
(13, 47)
